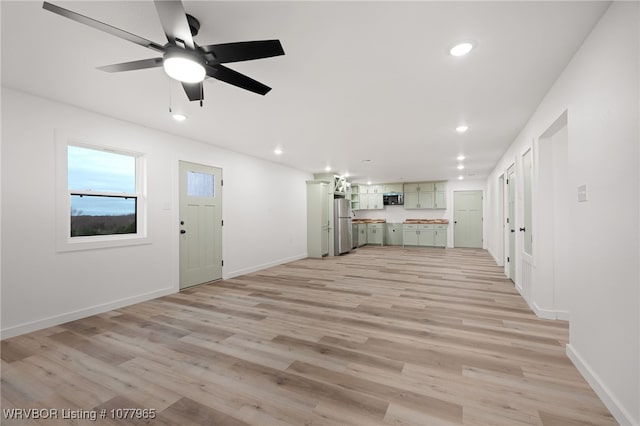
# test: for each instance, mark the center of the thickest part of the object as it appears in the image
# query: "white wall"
(398, 214)
(264, 212)
(599, 89)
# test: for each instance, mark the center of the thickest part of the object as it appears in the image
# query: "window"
(104, 203)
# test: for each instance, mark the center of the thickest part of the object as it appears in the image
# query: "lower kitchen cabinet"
(375, 233)
(440, 236)
(424, 235)
(362, 234)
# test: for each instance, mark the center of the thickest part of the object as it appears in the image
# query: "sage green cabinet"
(424, 235)
(393, 187)
(369, 197)
(425, 195)
(362, 234)
(319, 194)
(440, 236)
(375, 233)
(440, 201)
(418, 195)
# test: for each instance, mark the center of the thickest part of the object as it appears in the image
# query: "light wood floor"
(382, 336)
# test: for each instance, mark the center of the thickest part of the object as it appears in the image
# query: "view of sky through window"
(103, 172)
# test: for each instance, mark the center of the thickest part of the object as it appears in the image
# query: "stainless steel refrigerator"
(342, 226)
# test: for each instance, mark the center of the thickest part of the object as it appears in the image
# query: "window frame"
(64, 240)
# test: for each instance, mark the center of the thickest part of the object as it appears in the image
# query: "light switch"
(582, 193)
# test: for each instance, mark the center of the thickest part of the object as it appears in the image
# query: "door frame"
(512, 249)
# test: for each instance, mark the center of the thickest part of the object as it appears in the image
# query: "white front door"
(467, 219)
(200, 224)
(511, 219)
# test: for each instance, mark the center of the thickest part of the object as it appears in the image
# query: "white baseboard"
(256, 268)
(621, 415)
(553, 314)
(81, 313)
(495, 258)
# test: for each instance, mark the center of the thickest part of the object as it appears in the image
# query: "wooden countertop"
(356, 221)
(427, 221)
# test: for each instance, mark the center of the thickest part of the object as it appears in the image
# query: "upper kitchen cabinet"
(419, 195)
(390, 188)
(370, 197)
(425, 195)
(440, 201)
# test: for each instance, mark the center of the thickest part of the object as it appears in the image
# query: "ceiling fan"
(182, 58)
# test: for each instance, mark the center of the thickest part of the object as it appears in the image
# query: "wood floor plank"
(382, 336)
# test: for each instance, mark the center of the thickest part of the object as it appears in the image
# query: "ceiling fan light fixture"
(184, 65)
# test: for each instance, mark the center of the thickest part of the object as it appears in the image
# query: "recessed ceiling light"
(460, 157)
(460, 166)
(346, 174)
(327, 169)
(277, 151)
(461, 49)
(462, 128)
(179, 117)
(368, 182)
(460, 177)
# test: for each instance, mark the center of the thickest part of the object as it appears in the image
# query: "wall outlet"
(582, 193)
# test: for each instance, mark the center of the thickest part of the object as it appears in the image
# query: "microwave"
(393, 199)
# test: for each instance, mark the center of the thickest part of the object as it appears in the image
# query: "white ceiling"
(359, 81)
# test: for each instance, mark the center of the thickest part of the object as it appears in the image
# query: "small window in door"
(200, 184)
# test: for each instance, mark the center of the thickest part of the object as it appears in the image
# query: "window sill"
(101, 242)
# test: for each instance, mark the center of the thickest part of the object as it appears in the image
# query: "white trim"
(551, 314)
(82, 313)
(621, 415)
(263, 266)
(64, 243)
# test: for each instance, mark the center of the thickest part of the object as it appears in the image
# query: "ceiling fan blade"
(232, 77)
(174, 22)
(244, 50)
(194, 91)
(102, 26)
(134, 65)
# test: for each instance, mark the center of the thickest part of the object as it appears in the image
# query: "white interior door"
(511, 221)
(467, 219)
(200, 224)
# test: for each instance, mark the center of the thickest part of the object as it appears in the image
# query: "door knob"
(182, 231)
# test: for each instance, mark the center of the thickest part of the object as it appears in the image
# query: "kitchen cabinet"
(440, 236)
(440, 201)
(393, 188)
(375, 233)
(362, 234)
(424, 235)
(370, 197)
(425, 195)
(419, 195)
(393, 234)
(318, 220)
(355, 197)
